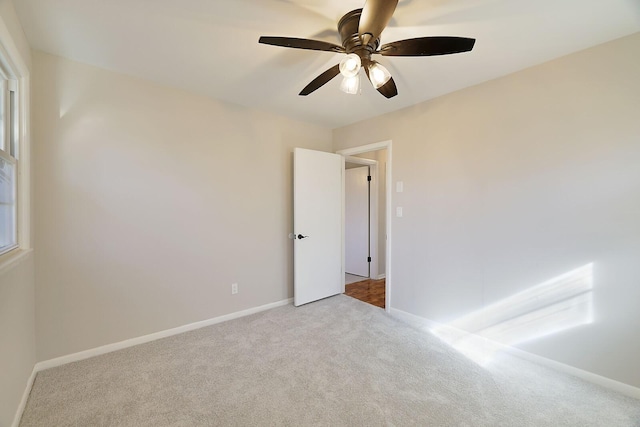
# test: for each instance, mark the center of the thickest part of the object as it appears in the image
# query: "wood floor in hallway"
(369, 291)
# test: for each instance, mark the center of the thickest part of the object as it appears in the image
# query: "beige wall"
(151, 203)
(515, 181)
(17, 287)
(11, 21)
(17, 336)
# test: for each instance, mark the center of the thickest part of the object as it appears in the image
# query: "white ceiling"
(211, 46)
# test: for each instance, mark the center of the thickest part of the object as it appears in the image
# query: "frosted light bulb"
(378, 75)
(350, 65)
(351, 85)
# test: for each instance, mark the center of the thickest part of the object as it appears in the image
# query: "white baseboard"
(155, 336)
(622, 388)
(382, 276)
(63, 360)
(25, 397)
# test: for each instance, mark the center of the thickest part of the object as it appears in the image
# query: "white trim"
(427, 324)
(381, 276)
(12, 259)
(24, 166)
(63, 360)
(364, 149)
(25, 396)
(374, 227)
(374, 170)
(359, 160)
(343, 247)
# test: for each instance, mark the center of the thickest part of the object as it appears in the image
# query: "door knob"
(300, 236)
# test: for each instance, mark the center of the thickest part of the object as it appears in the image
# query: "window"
(15, 185)
(8, 208)
(9, 150)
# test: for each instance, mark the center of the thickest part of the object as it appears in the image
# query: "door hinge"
(368, 259)
(369, 178)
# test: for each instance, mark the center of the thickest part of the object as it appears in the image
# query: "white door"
(317, 221)
(356, 221)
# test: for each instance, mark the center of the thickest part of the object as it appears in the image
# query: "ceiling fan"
(360, 31)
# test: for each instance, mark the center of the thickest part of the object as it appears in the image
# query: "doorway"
(368, 290)
(357, 220)
(376, 288)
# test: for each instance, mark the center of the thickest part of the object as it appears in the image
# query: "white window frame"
(14, 68)
(9, 166)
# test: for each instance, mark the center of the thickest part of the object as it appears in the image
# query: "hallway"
(368, 290)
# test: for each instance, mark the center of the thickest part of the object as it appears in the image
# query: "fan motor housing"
(348, 28)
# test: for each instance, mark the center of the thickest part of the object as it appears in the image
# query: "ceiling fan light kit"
(378, 75)
(351, 85)
(350, 65)
(360, 32)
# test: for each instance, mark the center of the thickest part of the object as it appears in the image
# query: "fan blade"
(321, 80)
(376, 15)
(301, 44)
(427, 46)
(389, 89)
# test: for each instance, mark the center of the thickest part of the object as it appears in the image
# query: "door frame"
(389, 183)
(373, 212)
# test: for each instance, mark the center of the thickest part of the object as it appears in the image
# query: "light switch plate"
(399, 212)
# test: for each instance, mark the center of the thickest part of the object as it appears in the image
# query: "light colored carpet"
(334, 362)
